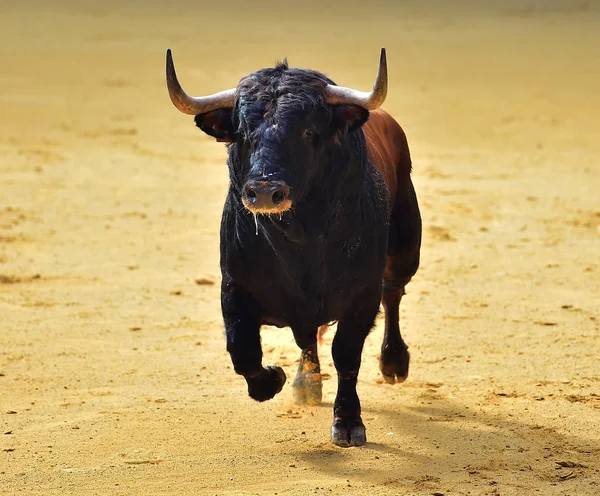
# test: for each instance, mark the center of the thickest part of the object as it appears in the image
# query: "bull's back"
(388, 150)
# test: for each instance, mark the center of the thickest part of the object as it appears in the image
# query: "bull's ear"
(218, 124)
(348, 118)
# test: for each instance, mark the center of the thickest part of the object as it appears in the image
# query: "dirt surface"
(113, 374)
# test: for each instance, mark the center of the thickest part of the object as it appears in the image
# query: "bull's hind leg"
(394, 358)
(402, 263)
(307, 387)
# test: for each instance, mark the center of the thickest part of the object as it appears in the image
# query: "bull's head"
(281, 124)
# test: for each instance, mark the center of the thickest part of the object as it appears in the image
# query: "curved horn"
(195, 105)
(369, 100)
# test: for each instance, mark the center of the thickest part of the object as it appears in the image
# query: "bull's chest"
(304, 286)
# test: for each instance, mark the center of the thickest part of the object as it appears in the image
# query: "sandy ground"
(113, 374)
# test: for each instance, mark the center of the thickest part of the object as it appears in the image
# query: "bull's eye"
(309, 133)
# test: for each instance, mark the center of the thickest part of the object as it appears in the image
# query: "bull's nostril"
(265, 195)
(278, 197)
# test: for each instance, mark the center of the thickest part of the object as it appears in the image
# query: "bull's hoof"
(348, 432)
(393, 363)
(308, 389)
(266, 384)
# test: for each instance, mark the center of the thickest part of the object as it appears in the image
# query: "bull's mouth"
(275, 209)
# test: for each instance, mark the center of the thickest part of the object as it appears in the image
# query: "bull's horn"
(195, 105)
(369, 100)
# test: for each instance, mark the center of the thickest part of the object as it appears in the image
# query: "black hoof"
(348, 432)
(393, 363)
(308, 389)
(266, 384)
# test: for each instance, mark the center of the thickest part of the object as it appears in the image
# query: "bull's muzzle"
(266, 197)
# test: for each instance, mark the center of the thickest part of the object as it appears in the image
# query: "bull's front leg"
(348, 428)
(242, 329)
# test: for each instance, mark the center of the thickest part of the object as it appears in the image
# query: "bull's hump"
(387, 148)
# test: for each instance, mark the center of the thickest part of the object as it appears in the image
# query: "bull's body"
(350, 240)
(360, 227)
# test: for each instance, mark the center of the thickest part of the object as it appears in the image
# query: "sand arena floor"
(113, 373)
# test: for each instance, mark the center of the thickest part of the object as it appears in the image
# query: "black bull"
(320, 224)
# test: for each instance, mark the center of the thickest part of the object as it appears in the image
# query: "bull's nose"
(265, 196)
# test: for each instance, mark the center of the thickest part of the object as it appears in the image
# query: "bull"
(320, 224)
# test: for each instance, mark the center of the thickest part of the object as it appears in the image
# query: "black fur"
(321, 261)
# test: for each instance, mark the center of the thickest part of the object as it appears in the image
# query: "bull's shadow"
(436, 443)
